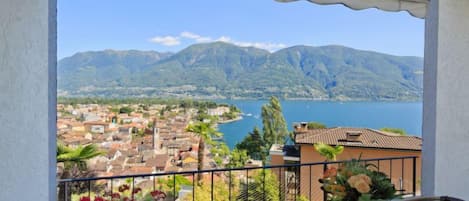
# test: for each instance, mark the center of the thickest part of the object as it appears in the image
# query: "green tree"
(254, 144)
(168, 183)
(263, 182)
(394, 130)
(126, 110)
(238, 158)
(220, 191)
(301, 198)
(328, 151)
(234, 109)
(275, 127)
(203, 116)
(292, 135)
(74, 161)
(229, 115)
(316, 125)
(205, 132)
(219, 151)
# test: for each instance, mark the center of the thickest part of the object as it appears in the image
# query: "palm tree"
(74, 161)
(328, 151)
(205, 132)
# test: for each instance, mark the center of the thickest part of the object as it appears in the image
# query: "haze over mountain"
(222, 70)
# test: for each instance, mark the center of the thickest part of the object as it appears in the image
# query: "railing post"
(378, 165)
(174, 187)
(296, 183)
(324, 196)
(310, 182)
(263, 182)
(414, 175)
(229, 187)
(211, 191)
(111, 189)
(65, 191)
(299, 179)
(247, 184)
(402, 176)
(193, 186)
(89, 189)
(133, 187)
(390, 169)
(280, 183)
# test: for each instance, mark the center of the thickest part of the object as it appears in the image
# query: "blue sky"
(173, 25)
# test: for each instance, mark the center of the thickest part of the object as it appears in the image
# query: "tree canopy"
(274, 124)
(238, 158)
(254, 144)
(204, 130)
(316, 125)
(399, 131)
(126, 110)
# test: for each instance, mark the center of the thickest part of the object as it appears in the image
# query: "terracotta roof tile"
(96, 123)
(158, 161)
(368, 138)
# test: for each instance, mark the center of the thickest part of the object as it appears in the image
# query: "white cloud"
(196, 37)
(190, 35)
(203, 39)
(166, 40)
(225, 39)
(267, 46)
(261, 45)
(176, 40)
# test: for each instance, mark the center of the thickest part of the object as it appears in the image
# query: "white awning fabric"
(416, 8)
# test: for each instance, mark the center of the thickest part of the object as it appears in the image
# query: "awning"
(416, 8)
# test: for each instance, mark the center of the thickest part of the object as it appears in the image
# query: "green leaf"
(328, 151)
(364, 197)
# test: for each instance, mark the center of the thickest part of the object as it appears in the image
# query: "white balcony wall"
(27, 99)
(446, 100)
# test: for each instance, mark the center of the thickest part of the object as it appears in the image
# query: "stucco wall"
(27, 98)
(446, 105)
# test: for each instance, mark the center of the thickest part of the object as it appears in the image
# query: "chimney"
(354, 136)
(301, 127)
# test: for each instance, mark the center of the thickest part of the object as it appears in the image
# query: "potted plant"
(354, 181)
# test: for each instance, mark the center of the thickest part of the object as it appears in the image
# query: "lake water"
(376, 115)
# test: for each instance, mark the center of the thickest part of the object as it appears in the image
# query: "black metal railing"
(276, 182)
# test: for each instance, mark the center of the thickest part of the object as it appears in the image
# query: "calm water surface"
(406, 115)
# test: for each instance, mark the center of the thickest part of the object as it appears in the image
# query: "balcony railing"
(277, 182)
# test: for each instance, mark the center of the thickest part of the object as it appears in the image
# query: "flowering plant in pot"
(354, 181)
(125, 193)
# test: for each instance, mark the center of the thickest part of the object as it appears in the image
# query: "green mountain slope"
(222, 70)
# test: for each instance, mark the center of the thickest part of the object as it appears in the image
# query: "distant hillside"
(222, 70)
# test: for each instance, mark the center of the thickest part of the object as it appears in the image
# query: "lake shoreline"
(239, 118)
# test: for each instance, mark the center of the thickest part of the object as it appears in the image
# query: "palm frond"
(61, 148)
(90, 151)
(79, 154)
(204, 130)
(328, 151)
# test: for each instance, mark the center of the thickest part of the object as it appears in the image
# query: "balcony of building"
(289, 182)
(28, 61)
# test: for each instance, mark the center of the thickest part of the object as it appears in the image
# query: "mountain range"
(225, 71)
